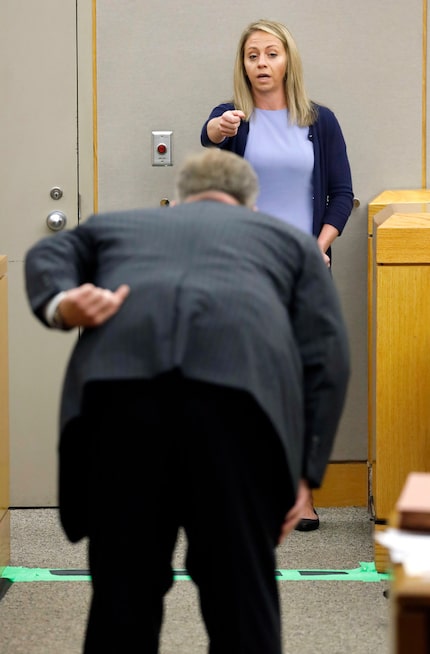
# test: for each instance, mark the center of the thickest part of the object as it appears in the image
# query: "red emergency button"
(161, 148)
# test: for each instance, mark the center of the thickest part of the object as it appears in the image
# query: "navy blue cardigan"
(333, 195)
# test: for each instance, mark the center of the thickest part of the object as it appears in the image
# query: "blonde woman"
(295, 145)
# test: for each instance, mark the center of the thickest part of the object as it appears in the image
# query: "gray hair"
(218, 170)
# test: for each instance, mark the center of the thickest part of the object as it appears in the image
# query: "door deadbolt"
(56, 193)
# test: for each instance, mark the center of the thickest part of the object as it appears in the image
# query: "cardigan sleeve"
(234, 144)
(332, 173)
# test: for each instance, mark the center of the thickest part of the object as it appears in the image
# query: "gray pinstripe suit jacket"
(225, 294)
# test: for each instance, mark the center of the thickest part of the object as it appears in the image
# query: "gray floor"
(319, 617)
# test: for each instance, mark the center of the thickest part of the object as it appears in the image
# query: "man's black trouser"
(173, 453)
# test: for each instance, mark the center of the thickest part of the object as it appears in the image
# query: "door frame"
(86, 48)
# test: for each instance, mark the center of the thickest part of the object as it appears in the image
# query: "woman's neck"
(270, 101)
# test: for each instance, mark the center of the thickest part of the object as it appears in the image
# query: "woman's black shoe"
(308, 524)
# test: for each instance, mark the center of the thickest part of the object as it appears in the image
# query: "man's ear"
(173, 203)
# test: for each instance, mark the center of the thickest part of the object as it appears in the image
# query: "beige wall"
(167, 69)
(164, 67)
(4, 417)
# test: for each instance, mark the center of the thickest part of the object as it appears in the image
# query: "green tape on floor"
(44, 574)
(366, 572)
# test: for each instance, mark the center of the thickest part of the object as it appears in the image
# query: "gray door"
(39, 153)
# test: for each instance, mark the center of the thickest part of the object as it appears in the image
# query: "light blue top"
(283, 158)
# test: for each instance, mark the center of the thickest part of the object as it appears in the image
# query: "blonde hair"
(302, 110)
(218, 170)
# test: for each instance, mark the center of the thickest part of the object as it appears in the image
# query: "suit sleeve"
(322, 338)
(57, 263)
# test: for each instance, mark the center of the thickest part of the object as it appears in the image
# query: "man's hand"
(90, 306)
(294, 515)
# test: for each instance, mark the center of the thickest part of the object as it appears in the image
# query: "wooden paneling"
(398, 244)
(397, 196)
(402, 361)
(398, 347)
(401, 354)
(384, 205)
(345, 484)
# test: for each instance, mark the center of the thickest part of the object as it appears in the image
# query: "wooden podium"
(410, 613)
(410, 594)
(398, 347)
(4, 419)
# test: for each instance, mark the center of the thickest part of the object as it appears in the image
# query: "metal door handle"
(56, 221)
